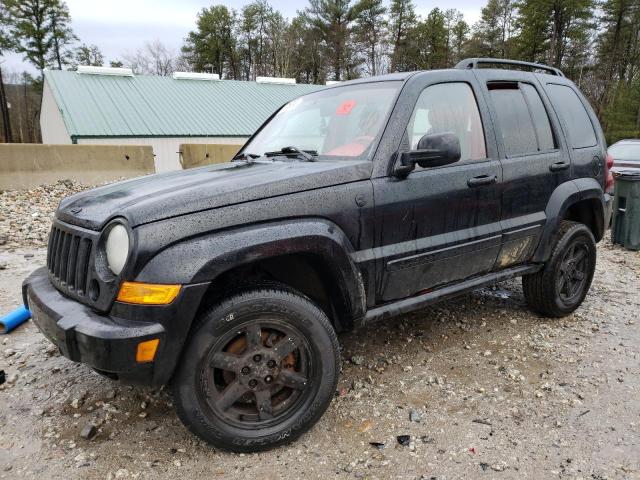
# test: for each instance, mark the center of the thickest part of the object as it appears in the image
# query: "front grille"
(68, 259)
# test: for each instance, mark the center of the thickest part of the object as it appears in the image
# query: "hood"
(156, 197)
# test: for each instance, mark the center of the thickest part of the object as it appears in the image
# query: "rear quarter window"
(574, 116)
(522, 119)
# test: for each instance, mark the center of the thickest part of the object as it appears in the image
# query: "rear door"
(533, 155)
(438, 225)
(580, 125)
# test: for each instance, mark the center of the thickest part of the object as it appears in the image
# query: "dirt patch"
(482, 387)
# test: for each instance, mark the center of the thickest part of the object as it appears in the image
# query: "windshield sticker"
(345, 107)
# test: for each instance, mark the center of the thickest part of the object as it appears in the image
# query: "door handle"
(481, 180)
(556, 167)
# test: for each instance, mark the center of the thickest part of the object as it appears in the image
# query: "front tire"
(560, 287)
(259, 370)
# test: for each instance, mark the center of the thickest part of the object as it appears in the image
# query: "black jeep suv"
(348, 206)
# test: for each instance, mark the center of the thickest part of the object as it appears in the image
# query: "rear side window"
(540, 118)
(522, 119)
(575, 117)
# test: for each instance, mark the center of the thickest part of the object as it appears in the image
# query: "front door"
(442, 224)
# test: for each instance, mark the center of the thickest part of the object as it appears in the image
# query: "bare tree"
(154, 58)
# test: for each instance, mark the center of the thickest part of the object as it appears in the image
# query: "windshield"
(625, 151)
(337, 122)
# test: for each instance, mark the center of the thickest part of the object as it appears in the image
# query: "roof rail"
(468, 63)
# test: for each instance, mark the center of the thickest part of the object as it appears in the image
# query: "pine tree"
(61, 33)
(402, 21)
(254, 39)
(430, 48)
(211, 46)
(88, 55)
(308, 49)
(457, 33)
(332, 19)
(30, 27)
(493, 33)
(370, 30)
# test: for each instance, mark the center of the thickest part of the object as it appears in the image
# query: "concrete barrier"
(25, 166)
(196, 155)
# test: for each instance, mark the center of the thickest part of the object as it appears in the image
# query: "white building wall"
(165, 149)
(51, 122)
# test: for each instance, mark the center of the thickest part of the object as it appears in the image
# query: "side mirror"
(434, 150)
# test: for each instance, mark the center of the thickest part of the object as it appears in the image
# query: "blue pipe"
(13, 319)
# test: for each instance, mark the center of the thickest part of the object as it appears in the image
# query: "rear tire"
(259, 369)
(560, 287)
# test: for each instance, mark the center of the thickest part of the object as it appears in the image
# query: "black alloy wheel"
(562, 284)
(258, 370)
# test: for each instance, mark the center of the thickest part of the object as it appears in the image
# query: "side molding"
(202, 259)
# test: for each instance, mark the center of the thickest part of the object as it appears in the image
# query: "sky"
(119, 27)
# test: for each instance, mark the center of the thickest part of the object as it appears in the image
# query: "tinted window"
(449, 107)
(575, 118)
(514, 120)
(540, 118)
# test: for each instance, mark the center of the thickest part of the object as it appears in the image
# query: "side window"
(540, 117)
(449, 107)
(575, 117)
(522, 119)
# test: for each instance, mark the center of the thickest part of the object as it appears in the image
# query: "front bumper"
(108, 343)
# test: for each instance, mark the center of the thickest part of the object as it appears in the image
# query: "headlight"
(117, 248)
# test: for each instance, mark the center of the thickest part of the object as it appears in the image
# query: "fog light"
(147, 350)
(147, 293)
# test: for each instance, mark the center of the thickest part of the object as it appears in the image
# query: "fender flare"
(564, 196)
(204, 258)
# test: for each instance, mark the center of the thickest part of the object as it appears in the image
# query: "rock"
(498, 467)
(415, 416)
(122, 473)
(404, 440)
(26, 214)
(11, 379)
(357, 360)
(89, 431)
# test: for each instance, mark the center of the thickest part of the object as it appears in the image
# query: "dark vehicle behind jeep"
(349, 206)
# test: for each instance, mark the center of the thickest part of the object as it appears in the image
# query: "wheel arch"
(580, 200)
(311, 256)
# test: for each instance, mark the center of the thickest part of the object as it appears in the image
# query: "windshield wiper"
(306, 155)
(245, 156)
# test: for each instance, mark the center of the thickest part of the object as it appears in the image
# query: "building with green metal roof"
(112, 106)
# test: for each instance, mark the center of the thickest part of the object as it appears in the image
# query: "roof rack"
(469, 63)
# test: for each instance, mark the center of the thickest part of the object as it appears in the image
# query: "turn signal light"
(147, 350)
(147, 293)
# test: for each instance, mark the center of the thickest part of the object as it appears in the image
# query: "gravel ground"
(27, 214)
(480, 387)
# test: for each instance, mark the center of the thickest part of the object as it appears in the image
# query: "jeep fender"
(565, 195)
(203, 258)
